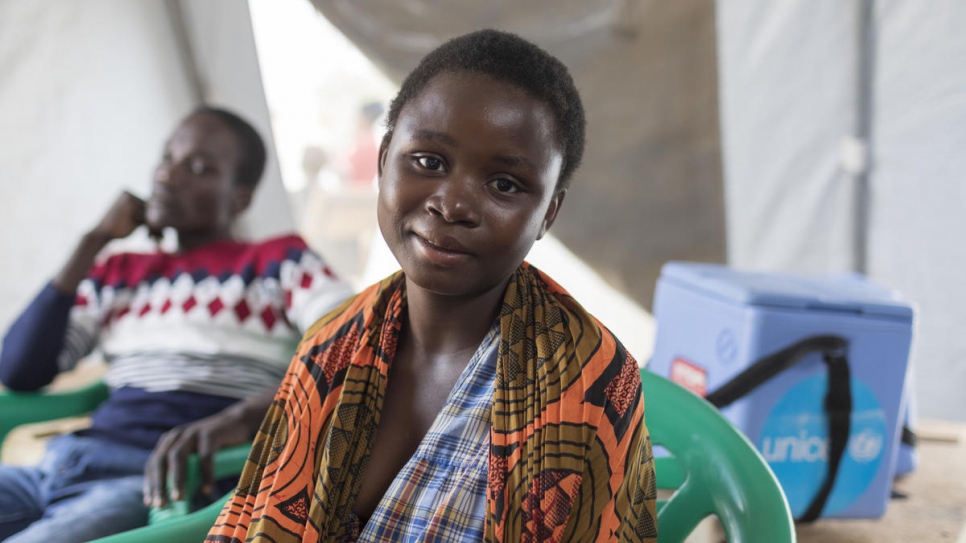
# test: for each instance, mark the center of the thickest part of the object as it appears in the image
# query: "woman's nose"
(455, 201)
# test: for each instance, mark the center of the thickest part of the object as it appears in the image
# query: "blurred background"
(796, 135)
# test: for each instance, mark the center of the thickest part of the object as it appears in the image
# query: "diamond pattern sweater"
(185, 334)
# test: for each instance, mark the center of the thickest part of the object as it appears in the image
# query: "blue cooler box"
(811, 369)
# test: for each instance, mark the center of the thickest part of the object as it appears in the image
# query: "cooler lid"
(847, 292)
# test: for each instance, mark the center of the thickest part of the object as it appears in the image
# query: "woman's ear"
(555, 202)
(383, 151)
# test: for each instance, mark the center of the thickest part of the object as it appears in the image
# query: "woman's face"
(468, 181)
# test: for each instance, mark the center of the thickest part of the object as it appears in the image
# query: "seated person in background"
(197, 340)
(467, 397)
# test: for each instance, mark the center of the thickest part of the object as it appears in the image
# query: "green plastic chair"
(713, 470)
(171, 524)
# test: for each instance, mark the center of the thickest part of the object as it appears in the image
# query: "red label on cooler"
(690, 376)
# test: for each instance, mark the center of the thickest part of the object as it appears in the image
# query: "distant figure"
(363, 159)
(197, 340)
(318, 170)
(467, 397)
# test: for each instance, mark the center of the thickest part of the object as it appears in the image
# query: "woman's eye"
(430, 163)
(505, 185)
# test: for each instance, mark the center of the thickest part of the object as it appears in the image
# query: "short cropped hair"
(251, 148)
(512, 59)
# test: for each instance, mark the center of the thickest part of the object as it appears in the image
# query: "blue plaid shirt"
(440, 495)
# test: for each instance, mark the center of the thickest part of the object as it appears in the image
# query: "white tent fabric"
(918, 212)
(786, 105)
(789, 75)
(91, 90)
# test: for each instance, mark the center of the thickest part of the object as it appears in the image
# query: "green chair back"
(713, 470)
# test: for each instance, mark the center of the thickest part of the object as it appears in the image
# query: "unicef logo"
(794, 442)
(866, 445)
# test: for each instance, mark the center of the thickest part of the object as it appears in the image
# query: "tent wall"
(791, 95)
(786, 106)
(91, 91)
(917, 215)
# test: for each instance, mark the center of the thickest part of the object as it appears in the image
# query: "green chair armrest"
(186, 528)
(18, 408)
(229, 461)
(175, 523)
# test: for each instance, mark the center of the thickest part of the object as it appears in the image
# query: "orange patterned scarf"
(570, 457)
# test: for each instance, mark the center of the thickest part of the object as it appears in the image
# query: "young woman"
(467, 397)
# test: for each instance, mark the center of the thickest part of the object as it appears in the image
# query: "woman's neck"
(444, 325)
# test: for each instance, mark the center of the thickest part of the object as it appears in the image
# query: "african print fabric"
(569, 455)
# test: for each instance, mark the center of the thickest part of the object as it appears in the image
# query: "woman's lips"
(445, 252)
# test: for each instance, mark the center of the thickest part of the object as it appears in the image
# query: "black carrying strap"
(838, 399)
(908, 436)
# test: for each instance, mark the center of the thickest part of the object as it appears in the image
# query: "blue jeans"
(84, 488)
